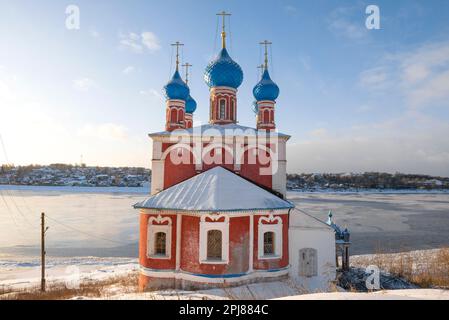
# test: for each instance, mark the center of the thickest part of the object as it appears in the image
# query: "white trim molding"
(214, 224)
(182, 275)
(274, 224)
(153, 229)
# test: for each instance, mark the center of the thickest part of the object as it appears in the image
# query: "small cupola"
(266, 91)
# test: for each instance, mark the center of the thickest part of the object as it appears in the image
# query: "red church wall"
(271, 263)
(214, 159)
(251, 171)
(238, 247)
(176, 173)
(143, 245)
(190, 239)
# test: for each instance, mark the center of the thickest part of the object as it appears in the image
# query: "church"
(218, 214)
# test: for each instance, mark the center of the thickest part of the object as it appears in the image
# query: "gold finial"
(187, 66)
(261, 67)
(177, 44)
(223, 14)
(266, 44)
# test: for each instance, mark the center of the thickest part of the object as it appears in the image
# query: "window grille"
(214, 245)
(268, 243)
(160, 243)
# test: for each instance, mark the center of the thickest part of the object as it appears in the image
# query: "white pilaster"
(157, 176)
(251, 243)
(178, 241)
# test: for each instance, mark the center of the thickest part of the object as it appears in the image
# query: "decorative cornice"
(159, 220)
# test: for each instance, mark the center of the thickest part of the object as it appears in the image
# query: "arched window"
(268, 243)
(160, 241)
(232, 109)
(222, 109)
(214, 244)
(270, 236)
(266, 116)
(174, 116)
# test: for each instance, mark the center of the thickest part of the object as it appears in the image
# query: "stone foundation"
(147, 283)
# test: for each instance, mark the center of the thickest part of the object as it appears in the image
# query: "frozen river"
(102, 222)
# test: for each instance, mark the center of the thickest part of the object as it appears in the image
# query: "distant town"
(365, 181)
(74, 175)
(90, 176)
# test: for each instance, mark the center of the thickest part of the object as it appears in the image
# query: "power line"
(230, 35)
(83, 232)
(171, 62)
(11, 214)
(9, 182)
(216, 36)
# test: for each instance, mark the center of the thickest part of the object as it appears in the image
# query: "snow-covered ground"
(264, 291)
(19, 273)
(409, 294)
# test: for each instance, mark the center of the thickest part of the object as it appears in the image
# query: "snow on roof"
(300, 218)
(214, 190)
(218, 130)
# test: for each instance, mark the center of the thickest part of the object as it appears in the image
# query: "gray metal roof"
(217, 189)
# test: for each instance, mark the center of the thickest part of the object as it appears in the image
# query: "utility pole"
(43, 230)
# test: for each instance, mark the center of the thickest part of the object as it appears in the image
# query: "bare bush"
(426, 269)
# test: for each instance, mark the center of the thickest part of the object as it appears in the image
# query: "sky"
(353, 99)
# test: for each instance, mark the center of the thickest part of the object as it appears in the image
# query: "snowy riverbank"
(116, 278)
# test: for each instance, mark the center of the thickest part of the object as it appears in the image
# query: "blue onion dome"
(255, 107)
(176, 88)
(223, 71)
(266, 89)
(190, 105)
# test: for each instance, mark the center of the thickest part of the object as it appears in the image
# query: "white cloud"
(131, 41)
(435, 90)
(137, 43)
(104, 131)
(319, 133)
(83, 84)
(420, 75)
(411, 143)
(341, 23)
(152, 93)
(128, 70)
(150, 41)
(373, 78)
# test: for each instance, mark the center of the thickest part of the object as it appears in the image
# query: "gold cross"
(187, 66)
(266, 44)
(177, 44)
(223, 14)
